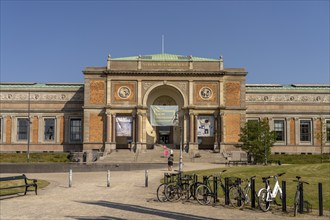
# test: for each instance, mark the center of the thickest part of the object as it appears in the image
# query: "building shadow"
(140, 209)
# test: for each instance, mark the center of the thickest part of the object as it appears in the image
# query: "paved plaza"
(126, 198)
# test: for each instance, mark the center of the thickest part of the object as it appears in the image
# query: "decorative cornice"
(288, 98)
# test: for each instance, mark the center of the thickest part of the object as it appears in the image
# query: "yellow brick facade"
(96, 127)
(97, 92)
(233, 93)
(232, 127)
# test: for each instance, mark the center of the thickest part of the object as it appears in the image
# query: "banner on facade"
(124, 126)
(205, 126)
(164, 115)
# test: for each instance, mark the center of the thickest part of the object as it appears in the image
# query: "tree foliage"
(255, 137)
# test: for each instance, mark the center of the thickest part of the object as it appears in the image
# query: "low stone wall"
(77, 167)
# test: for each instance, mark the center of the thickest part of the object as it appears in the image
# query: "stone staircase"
(156, 155)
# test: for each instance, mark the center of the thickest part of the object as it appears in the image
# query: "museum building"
(111, 110)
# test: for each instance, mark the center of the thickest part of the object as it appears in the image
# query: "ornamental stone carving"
(41, 96)
(205, 93)
(288, 98)
(124, 92)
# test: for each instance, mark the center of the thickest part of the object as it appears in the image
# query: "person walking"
(170, 160)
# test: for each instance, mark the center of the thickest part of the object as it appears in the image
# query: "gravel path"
(126, 198)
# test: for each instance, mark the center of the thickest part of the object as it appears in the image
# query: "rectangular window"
(1, 129)
(75, 129)
(305, 130)
(279, 130)
(22, 129)
(49, 129)
(327, 130)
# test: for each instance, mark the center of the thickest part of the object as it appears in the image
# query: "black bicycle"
(297, 198)
(204, 192)
(239, 196)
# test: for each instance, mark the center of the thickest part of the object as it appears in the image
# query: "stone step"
(156, 155)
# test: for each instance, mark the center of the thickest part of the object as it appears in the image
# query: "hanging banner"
(164, 115)
(205, 126)
(124, 126)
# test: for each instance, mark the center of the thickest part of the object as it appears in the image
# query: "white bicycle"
(266, 195)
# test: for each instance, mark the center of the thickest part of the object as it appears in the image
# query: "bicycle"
(267, 195)
(239, 196)
(161, 188)
(204, 194)
(178, 189)
(297, 197)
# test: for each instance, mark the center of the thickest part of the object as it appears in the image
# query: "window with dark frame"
(0, 129)
(279, 130)
(327, 130)
(75, 129)
(305, 130)
(22, 129)
(49, 129)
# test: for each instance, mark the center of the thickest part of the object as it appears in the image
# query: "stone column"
(134, 140)
(216, 133)
(191, 126)
(109, 130)
(195, 130)
(287, 131)
(113, 138)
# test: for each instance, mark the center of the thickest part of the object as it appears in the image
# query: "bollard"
(70, 177)
(283, 196)
(253, 193)
(320, 200)
(239, 202)
(146, 178)
(226, 191)
(301, 204)
(215, 189)
(108, 178)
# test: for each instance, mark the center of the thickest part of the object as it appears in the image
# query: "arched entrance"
(168, 135)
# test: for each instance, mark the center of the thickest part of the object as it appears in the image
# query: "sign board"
(205, 126)
(124, 126)
(164, 115)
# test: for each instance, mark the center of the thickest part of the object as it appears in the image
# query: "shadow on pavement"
(142, 210)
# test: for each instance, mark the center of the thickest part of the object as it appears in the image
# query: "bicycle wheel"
(235, 197)
(192, 190)
(296, 203)
(185, 191)
(203, 195)
(161, 192)
(172, 192)
(264, 205)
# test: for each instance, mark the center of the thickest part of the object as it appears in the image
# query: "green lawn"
(34, 158)
(312, 173)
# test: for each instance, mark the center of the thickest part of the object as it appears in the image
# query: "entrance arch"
(168, 135)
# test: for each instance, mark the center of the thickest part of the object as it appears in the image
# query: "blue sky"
(276, 41)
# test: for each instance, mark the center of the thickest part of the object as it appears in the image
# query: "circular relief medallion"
(205, 93)
(124, 92)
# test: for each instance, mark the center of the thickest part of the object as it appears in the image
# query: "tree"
(257, 139)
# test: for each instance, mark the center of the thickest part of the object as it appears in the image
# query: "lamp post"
(28, 130)
(180, 127)
(181, 159)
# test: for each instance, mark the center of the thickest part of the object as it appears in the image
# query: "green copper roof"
(164, 57)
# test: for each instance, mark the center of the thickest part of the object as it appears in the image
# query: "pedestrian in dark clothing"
(170, 162)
